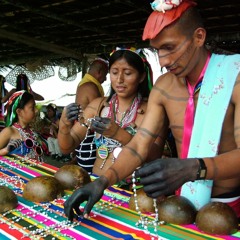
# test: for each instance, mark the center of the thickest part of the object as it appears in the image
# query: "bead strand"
(143, 220)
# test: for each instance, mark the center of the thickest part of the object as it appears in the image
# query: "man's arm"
(86, 93)
(134, 154)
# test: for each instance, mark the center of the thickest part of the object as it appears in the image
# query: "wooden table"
(109, 219)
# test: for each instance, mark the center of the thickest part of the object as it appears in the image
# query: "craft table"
(109, 219)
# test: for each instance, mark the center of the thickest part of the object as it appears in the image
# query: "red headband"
(157, 21)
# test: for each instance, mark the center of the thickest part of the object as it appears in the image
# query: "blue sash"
(213, 101)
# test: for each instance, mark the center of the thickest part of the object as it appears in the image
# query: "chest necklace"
(29, 138)
(107, 145)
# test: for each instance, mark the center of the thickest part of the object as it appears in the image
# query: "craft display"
(143, 220)
(109, 219)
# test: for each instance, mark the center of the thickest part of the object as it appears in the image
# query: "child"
(17, 137)
(50, 131)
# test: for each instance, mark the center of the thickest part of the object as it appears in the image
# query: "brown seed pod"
(43, 189)
(8, 199)
(176, 210)
(217, 218)
(145, 203)
(72, 177)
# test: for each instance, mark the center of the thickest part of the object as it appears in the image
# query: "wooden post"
(84, 65)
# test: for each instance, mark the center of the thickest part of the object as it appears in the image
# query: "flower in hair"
(164, 5)
(165, 13)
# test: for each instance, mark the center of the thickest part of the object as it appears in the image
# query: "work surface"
(110, 218)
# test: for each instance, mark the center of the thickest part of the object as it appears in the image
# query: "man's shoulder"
(166, 78)
(88, 86)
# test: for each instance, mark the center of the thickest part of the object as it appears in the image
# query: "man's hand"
(91, 192)
(164, 176)
(105, 126)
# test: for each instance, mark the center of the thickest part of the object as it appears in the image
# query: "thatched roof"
(34, 33)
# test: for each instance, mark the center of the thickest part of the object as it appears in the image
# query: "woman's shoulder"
(94, 106)
(97, 102)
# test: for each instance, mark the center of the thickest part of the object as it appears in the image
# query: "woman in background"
(22, 83)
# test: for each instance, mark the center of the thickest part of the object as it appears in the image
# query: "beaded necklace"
(89, 135)
(143, 220)
(28, 134)
(129, 116)
(88, 132)
(107, 145)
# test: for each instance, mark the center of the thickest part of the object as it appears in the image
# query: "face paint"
(178, 58)
(184, 58)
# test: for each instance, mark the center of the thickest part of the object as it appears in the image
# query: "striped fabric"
(86, 153)
(110, 218)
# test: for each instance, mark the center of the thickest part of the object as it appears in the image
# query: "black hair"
(52, 106)
(190, 21)
(134, 60)
(26, 97)
(98, 65)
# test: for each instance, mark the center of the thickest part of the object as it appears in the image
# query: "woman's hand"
(70, 114)
(104, 126)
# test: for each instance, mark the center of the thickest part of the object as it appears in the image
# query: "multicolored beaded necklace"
(27, 135)
(107, 145)
(129, 116)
